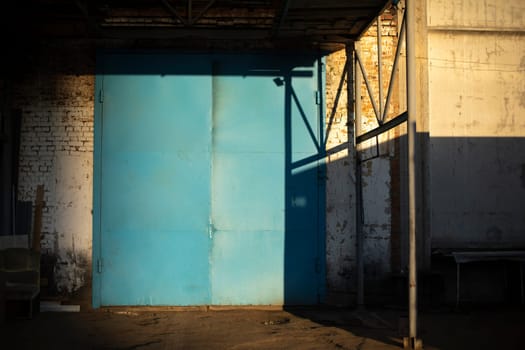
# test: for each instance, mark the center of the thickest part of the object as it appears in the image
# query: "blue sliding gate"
(209, 185)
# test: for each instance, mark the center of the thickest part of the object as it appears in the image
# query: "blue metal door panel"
(265, 249)
(207, 177)
(247, 268)
(247, 192)
(154, 184)
(305, 249)
(133, 275)
(248, 239)
(247, 187)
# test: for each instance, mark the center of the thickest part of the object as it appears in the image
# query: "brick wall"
(379, 187)
(340, 186)
(378, 192)
(55, 96)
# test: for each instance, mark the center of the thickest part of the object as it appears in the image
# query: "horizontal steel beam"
(392, 123)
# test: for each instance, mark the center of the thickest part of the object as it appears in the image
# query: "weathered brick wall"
(377, 181)
(377, 175)
(369, 51)
(55, 96)
(340, 186)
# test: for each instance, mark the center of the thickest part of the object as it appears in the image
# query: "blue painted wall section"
(202, 195)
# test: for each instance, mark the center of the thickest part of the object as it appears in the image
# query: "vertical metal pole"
(380, 66)
(458, 279)
(359, 236)
(521, 282)
(411, 130)
(6, 151)
(358, 189)
(190, 21)
(357, 91)
(13, 206)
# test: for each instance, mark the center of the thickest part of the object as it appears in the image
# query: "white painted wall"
(72, 219)
(56, 150)
(377, 224)
(476, 65)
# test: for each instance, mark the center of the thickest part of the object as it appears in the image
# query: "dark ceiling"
(311, 21)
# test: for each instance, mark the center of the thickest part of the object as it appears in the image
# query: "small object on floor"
(412, 343)
(55, 306)
(277, 321)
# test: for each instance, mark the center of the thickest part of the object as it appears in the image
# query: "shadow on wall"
(477, 188)
(472, 200)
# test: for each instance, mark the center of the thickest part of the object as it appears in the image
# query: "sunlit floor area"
(321, 328)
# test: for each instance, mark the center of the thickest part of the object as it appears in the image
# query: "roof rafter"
(279, 19)
(174, 12)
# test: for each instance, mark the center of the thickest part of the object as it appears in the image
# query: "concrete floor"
(132, 328)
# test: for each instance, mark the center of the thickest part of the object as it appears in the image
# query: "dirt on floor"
(319, 328)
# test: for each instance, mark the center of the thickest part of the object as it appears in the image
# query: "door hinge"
(101, 96)
(211, 230)
(99, 265)
(317, 97)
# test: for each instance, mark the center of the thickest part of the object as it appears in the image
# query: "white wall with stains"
(72, 220)
(376, 214)
(55, 97)
(476, 66)
(340, 186)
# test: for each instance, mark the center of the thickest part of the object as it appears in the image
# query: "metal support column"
(521, 283)
(380, 68)
(393, 74)
(412, 342)
(358, 183)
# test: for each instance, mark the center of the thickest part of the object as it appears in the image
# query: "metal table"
(462, 257)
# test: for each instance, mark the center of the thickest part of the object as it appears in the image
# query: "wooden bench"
(19, 276)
